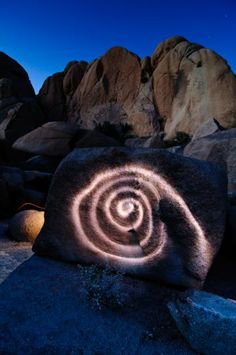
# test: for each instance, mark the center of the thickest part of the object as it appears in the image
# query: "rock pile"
(182, 98)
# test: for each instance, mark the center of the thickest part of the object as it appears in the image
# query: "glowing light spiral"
(117, 215)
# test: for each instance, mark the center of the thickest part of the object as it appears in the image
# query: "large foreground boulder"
(207, 321)
(147, 212)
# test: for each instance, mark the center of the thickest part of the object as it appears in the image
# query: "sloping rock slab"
(218, 148)
(147, 212)
(51, 139)
(207, 321)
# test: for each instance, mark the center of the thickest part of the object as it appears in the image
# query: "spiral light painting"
(117, 215)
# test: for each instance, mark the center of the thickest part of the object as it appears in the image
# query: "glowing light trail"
(116, 216)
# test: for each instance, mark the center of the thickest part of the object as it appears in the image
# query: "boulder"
(146, 212)
(19, 112)
(26, 225)
(207, 321)
(51, 139)
(154, 142)
(209, 127)
(135, 142)
(177, 149)
(143, 116)
(73, 76)
(21, 119)
(16, 80)
(218, 148)
(164, 48)
(52, 99)
(42, 163)
(108, 89)
(192, 84)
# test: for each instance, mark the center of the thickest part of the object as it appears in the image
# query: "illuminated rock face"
(147, 212)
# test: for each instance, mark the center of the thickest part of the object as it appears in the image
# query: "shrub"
(103, 287)
(119, 131)
(181, 138)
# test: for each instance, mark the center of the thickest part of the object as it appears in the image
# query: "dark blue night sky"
(44, 35)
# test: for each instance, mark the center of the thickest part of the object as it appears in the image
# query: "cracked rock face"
(146, 212)
(192, 84)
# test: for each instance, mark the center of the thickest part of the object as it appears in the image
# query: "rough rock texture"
(179, 87)
(73, 76)
(31, 323)
(111, 90)
(218, 148)
(51, 139)
(19, 111)
(14, 79)
(26, 225)
(147, 212)
(52, 99)
(191, 85)
(42, 163)
(209, 127)
(21, 119)
(143, 116)
(111, 80)
(154, 141)
(135, 142)
(164, 48)
(43, 311)
(207, 321)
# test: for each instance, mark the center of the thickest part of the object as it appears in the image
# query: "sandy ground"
(45, 309)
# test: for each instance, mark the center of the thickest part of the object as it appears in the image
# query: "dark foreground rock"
(147, 212)
(48, 307)
(19, 187)
(207, 321)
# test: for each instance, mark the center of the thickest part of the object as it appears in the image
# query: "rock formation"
(218, 148)
(180, 87)
(136, 210)
(191, 85)
(207, 321)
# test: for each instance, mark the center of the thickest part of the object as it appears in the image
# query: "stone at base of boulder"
(207, 321)
(26, 225)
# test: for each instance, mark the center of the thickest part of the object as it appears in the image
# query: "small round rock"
(26, 225)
